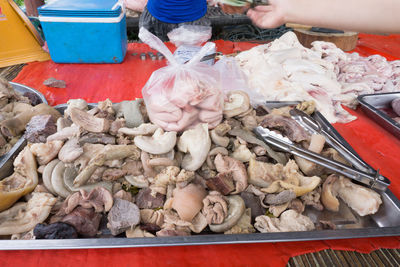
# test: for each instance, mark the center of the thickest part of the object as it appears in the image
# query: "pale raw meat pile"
(102, 174)
(284, 70)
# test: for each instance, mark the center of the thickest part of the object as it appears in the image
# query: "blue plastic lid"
(81, 8)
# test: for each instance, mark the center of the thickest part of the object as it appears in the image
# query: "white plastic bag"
(188, 40)
(194, 35)
(233, 79)
(179, 96)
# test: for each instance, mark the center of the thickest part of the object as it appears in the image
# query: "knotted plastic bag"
(179, 96)
(188, 39)
(194, 35)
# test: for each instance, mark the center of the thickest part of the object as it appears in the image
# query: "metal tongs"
(314, 127)
(374, 180)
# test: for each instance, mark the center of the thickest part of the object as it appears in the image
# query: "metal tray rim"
(387, 121)
(29, 89)
(94, 243)
(21, 88)
(363, 102)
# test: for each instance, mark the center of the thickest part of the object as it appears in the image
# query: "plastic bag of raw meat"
(179, 96)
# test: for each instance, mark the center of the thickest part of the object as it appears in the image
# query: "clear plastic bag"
(194, 35)
(233, 79)
(179, 96)
(188, 40)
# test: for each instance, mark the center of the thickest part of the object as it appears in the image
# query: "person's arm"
(31, 7)
(377, 16)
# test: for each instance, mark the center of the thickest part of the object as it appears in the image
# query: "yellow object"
(19, 40)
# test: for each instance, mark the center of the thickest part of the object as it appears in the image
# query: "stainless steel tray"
(374, 106)
(21, 88)
(9, 157)
(386, 222)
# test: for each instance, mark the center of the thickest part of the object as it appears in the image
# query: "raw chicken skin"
(284, 70)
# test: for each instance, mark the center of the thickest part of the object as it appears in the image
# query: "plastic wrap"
(179, 96)
(233, 79)
(190, 35)
(188, 40)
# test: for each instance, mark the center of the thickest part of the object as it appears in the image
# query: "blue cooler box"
(84, 31)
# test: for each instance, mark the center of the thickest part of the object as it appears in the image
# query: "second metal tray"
(21, 88)
(9, 157)
(374, 106)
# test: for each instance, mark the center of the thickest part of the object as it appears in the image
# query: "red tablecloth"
(124, 81)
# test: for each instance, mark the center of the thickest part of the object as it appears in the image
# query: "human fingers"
(256, 17)
(262, 8)
(268, 18)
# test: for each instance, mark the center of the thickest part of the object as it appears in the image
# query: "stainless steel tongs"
(374, 180)
(314, 127)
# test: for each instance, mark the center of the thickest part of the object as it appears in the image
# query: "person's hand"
(270, 16)
(234, 9)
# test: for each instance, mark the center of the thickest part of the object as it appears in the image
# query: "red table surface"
(124, 81)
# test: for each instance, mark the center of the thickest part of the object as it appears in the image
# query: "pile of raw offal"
(284, 70)
(107, 172)
(15, 111)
